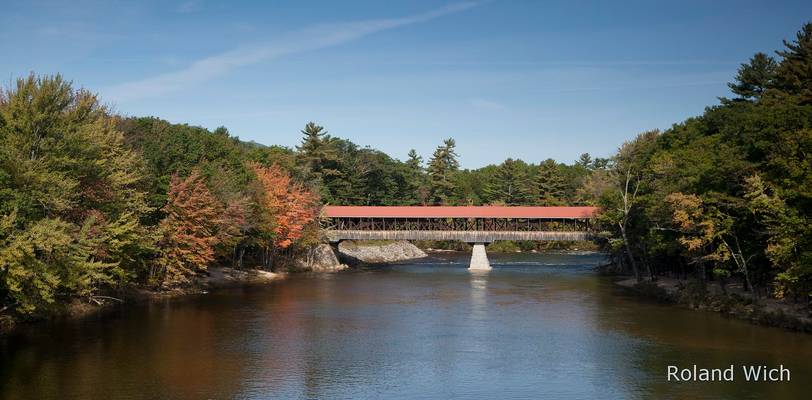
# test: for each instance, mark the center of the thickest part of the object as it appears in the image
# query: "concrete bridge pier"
(479, 258)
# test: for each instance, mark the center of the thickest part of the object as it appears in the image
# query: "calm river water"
(536, 326)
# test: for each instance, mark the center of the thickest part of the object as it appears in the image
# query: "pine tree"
(441, 169)
(585, 161)
(550, 184)
(754, 77)
(312, 150)
(415, 162)
(318, 159)
(794, 74)
(416, 182)
(510, 185)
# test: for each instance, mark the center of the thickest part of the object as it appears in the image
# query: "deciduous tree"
(284, 209)
(189, 230)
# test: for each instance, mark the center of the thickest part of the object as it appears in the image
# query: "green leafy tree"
(178, 149)
(788, 237)
(71, 198)
(595, 185)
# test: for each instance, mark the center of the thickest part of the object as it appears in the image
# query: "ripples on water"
(538, 325)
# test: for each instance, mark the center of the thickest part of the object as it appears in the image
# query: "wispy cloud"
(486, 104)
(75, 32)
(188, 7)
(314, 38)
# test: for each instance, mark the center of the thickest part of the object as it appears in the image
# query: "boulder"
(320, 259)
(375, 253)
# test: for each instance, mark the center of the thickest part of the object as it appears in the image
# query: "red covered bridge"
(477, 225)
(473, 224)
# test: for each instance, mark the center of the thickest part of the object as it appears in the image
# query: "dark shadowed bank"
(729, 299)
(320, 259)
(216, 278)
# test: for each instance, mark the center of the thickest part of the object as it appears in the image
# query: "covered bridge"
(477, 225)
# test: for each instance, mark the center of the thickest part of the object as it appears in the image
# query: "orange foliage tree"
(285, 208)
(189, 230)
(231, 235)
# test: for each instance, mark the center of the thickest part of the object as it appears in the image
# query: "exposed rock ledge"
(225, 277)
(320, 259)
(377, 253)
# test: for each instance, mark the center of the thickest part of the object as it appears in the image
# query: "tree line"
(345, 174)
(727, 194)
(92, 202)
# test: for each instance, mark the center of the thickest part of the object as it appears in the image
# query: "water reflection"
(535, 326)
(478, 293)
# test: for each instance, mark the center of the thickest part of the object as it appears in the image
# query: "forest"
(92, 202)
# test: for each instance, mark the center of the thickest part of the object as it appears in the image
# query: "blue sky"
(509, 78)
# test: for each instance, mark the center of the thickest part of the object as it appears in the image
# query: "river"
(536, 326)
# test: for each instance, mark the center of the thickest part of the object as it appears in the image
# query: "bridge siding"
(463, 236)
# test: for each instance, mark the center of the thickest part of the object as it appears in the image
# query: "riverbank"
(216, 278)
(732, 301)
(322, 259)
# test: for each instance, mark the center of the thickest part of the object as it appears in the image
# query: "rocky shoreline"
(733, 301)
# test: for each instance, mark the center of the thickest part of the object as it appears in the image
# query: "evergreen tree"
(794, 74)
(754, 77)
(416, 183)
(601, 163)
(415, 162)
(510, 185)
(585, 161)
(441, 169)
(376, 178)
(552, 189)
(318, 159)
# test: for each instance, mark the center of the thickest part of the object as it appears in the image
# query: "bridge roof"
(458, 212)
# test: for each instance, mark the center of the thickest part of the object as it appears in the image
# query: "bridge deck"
(463, 236)
(459, 212)
(472, 224)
